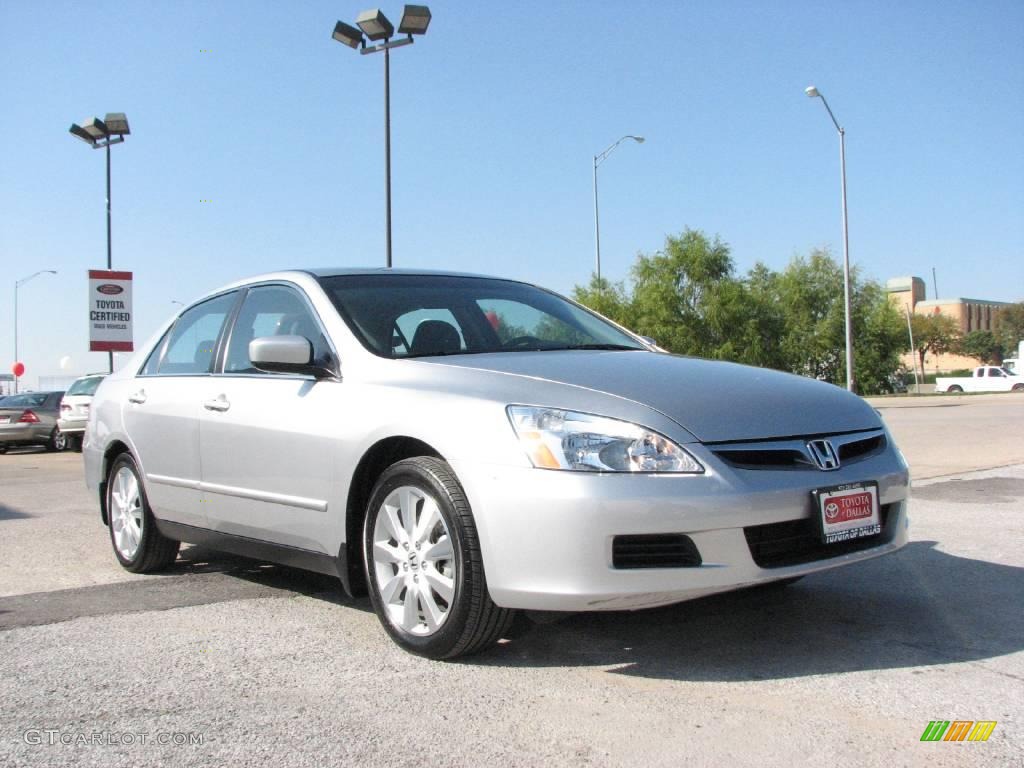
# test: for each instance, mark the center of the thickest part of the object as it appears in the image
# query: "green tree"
(934, 333)
(982, 346)
(610, 299)
(687, 298)
(1010, 328)
(810, 296)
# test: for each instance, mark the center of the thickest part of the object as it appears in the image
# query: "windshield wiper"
(607, 347)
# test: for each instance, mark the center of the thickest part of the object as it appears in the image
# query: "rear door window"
(193, 339)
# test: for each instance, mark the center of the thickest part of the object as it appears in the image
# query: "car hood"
(713, 400)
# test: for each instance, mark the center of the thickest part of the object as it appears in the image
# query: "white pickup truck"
(986, 378)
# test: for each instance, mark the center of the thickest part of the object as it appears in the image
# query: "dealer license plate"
(848, 512)
(5, 419)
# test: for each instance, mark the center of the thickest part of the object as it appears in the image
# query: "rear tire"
(956, 389)
(138, 544)
(423, 563)
(58, 441)
(1018, 388)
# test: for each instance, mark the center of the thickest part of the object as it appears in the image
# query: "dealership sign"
(110, 311)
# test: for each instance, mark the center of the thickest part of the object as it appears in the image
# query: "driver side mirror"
(286, 354)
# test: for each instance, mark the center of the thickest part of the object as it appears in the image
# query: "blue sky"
(497, 113)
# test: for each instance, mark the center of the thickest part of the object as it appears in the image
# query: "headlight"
(557, 439)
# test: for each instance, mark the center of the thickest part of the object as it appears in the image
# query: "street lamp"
(815, 93)
(102, 134)
(375, 26)
(17, 285)
(598, 159)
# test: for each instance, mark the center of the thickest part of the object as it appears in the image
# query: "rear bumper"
(22, 434)
(72, 426)
(548, 536)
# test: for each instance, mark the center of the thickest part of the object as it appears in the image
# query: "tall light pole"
(17, 285)
(375, 25)
(101, 134)
(598, 159)
(815, 93)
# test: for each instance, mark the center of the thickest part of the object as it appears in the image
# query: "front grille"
(860, 449)
(655, 550)
(792, 453)
(795, 542)
(765, 458)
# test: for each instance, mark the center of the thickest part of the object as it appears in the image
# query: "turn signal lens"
(28, 417)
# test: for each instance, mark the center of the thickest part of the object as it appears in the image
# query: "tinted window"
(272, 310)
(194, 337)
(429, 315)
(153, 361)
(994, 372)
(32, 400)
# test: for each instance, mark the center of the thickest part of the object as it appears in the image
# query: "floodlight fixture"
(375, 24)
(79, 132)
(117, 124)
(95, 128)
(415, 20)
(347, 34)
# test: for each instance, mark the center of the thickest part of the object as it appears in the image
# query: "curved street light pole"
(17, 285)
(815, 93)
(598, 159)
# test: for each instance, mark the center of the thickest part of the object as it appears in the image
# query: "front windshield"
(399, 316)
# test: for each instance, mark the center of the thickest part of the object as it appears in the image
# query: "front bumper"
(547, 536)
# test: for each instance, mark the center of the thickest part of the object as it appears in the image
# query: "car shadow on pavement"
(197, 559)
(920, 607)
(10, 513)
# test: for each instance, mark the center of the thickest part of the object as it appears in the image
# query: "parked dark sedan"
(31, 419)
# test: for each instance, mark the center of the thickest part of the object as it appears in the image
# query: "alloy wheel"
(126, 512)
(413, 561)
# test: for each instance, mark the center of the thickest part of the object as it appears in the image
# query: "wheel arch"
(377, 458)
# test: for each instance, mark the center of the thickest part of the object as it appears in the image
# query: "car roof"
(340, 271)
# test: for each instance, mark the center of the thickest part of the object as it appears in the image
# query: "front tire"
(956, 389)
(138, 544)
(423, 563)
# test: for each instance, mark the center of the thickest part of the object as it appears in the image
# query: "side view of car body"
(465, 447)
(31, 419)
(74, 408)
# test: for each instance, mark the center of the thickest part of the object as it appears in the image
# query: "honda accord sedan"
(464, 448)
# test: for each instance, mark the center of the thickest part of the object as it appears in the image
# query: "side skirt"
(257, 549)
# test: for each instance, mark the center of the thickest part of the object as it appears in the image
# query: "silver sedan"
(465, 447)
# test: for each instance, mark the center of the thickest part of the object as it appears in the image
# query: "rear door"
(162, 411)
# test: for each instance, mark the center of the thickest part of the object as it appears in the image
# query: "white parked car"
(74, 408)
(465, 447)
(986, 378)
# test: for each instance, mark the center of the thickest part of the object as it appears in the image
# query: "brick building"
(969, 314)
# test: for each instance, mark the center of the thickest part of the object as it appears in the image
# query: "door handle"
(220, 403)
(138, 398)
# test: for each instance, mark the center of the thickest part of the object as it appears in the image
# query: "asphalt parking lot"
(225, 661)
